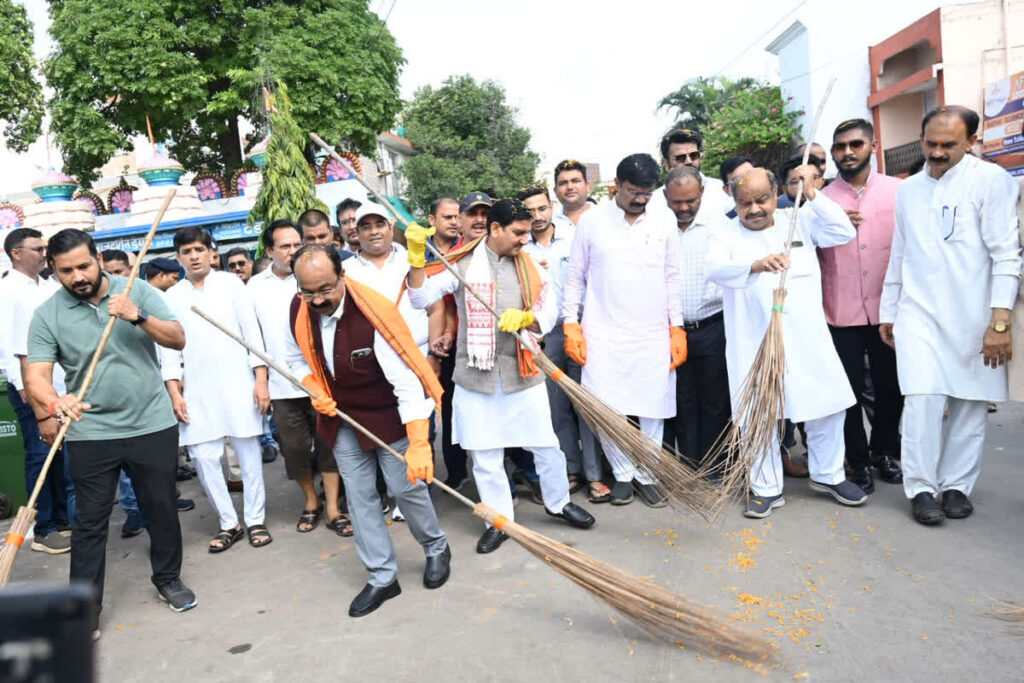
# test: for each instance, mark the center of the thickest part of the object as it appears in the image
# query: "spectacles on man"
(322, 292)
(854, 145)
(236, 265)
(38, 250)
(636, 194)
(688, 156)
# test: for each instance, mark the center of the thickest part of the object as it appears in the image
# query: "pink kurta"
(852, 274)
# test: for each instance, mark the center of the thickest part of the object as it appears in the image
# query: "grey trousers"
(358, 469)
(581, 447)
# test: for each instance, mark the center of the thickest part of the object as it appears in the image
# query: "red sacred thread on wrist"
(50, 408)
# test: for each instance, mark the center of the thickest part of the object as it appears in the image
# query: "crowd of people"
(656, 300)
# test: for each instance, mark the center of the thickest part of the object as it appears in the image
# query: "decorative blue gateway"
(223, 227)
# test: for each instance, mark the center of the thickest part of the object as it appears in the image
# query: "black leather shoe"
(956, 505)
(888, 469)
(926, 509)
(863, 479)
(490, 541)
(438, 568)
(574, 515)
(372, 597)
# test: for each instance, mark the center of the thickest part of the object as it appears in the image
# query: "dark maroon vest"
(358, 385)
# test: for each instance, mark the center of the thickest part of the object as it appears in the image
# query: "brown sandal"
(599, 492)
(341, 525)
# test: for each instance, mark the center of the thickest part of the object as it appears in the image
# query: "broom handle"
(526, 340)
(299, 385)
(99, 351)
(800, 187)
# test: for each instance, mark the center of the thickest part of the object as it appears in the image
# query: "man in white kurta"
(624, 262)
(225, 392)
(952, 280)
(498, 403)
(745, 259)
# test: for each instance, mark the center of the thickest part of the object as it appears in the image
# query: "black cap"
(475, 199)
(163, 264)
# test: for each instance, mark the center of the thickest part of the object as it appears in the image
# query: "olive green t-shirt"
(127, 393)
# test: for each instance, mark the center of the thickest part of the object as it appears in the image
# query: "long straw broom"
(755, 425)
(27, 513)
(651, 607)
(683, 485)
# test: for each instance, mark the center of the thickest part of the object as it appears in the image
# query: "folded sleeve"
(433, 289)
(1000, 232)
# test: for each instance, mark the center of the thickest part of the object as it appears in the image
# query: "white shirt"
(701, 296)
(389, 281)
(271, 298)
(629, 274)
(218, 376)
(413, 403)
(554, 258)
(19, 298)
(956, 255)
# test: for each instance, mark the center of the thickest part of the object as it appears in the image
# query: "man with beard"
(624, 263)
(225, 392)
(126, 420)
(571, 190)
(500, 400)
(354, 352)
(473, 216)
(952, 280)
(240, 263)
(746, 261)
(851, 282)
(702, 382)
(685, 147)
(549, 247)
(22, 290)
(346, 214)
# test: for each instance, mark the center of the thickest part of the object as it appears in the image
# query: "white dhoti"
(942, 452)
(486, 424)
(207, 459)
(826, 450)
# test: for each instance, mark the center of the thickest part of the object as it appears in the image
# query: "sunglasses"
(854, 145)
(688, 156)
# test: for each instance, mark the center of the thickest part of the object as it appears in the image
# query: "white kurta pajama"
(817, 391)
(487, 423)
(218, 382)
(955, 256)
(629, 277)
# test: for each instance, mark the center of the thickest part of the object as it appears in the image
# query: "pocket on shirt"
(964, 226)
(364, 365)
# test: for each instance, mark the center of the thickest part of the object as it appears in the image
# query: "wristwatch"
(1000, 326)
(143, 317)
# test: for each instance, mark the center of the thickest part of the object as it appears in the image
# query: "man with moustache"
(702, 382)
(127, 420)
(549, 247)
(355, 353)
(571, 190)
(729, 170)
(346, 215)
(745, 262)
(624, 263)
(946, 307)
(685, 147)
(851, 283)
(240, 263)
(218, 383)
(473, 216)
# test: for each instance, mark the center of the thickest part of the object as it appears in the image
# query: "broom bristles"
(653, 608)
(1012, 613)
(755, 425)
(684, 485)
(9, 551)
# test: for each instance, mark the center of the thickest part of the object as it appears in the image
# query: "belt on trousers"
(697, 324)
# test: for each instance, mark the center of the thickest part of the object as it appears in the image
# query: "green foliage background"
(21, 96)
(469, 139)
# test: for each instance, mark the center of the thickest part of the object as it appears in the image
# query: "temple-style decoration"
(331, 171)
(246, 181)
(93, 199)
(120, 198)
(11, 216)
(162, 173)
(258, 154)
(210, 185)
(56, 210)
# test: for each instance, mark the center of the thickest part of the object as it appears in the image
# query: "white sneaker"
(396, 515)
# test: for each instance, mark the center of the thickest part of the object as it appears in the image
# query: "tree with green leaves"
(197, 66)
(699, 98)
(469, 139)
(754, 122)
(21, 96)
(288, 186)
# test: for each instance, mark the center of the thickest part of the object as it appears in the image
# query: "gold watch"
(1000, 326)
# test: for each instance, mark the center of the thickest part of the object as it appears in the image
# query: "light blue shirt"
(554, 258)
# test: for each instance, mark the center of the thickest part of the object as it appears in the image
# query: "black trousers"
(152, 463)
(454, 454)
(703, 407)
(851, 345)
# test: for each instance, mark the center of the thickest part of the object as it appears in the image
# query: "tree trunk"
(230, 146)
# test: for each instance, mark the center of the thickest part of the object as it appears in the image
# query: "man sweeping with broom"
(500, 398)
(744, 260)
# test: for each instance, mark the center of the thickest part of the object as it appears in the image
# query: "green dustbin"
(12, 451)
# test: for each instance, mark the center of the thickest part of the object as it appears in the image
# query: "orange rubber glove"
(323, 403)
(575, 344)
(677, 341)
(419, 459)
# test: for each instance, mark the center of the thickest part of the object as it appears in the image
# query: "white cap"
(372, 209)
